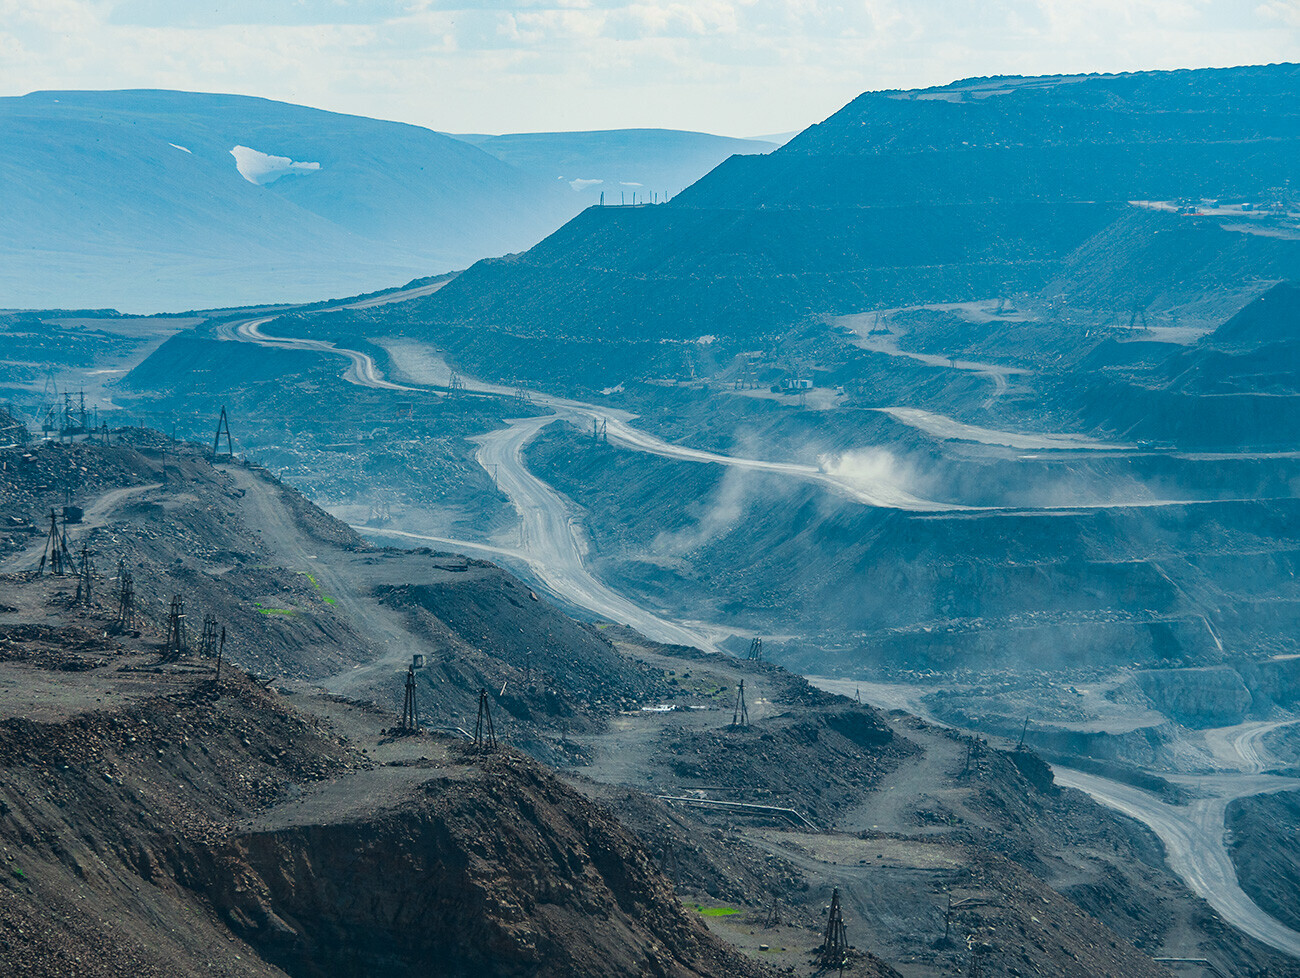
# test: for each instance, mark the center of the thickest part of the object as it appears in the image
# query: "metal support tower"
(84, 577)
(740, 716)
(834, 952)
(125, 597)
(208, 637)
(221, 651)
(756, 650)
(223, 427)
(484, 735)
(176, 644)
(56, 553)
(410, 715)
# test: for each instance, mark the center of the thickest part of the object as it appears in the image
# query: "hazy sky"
(739, 68)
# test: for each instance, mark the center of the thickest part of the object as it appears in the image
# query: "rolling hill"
(145, 200)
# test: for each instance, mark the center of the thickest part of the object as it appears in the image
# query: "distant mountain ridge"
(149, 200)
(619, 163)
(133, 199)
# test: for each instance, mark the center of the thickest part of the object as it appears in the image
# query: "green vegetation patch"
(716, 911)
(316, 584)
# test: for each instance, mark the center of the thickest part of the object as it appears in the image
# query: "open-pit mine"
(881, 559)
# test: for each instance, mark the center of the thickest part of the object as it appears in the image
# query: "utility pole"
(740, 715)
(176, 645)
(56, 552)
(208, 637)
(410, 715)
(835, 942)
(1024, 730)
(84, 577)
(221, 650)
(485, 737)
(125, 597)
(223, 427)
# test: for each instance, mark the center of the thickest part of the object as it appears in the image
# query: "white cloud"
(732, 66)
(1281, 11)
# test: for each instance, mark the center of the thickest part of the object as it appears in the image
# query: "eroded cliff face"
(1215, 696)
(491, 867)
(155, 823)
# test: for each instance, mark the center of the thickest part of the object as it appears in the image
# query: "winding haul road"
(1193, 836)
(362, 370)
(553, 544)
(553, 548)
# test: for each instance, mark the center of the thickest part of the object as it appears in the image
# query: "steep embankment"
(288, 831)
(980, 188)
(1268, 866)
(1074, 588)
(287, 850)
(1237, 388)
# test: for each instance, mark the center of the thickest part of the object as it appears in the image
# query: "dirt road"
(336, 572)
(96, 514)
(1193, 836)
(553, 544)
(942, 426)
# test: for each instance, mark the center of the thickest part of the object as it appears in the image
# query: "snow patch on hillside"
(262, 168)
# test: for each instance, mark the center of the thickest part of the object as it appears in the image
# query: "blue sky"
(740, 68)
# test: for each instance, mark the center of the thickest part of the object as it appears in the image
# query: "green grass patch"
(273, 611)
(314, 583)
(716, 911)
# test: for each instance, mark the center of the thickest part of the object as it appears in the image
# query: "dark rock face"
(1211, 697)
(1264, 851)
(497, 872)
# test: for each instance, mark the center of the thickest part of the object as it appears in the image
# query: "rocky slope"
(287, 831)
(981, 188)
(1262, 831)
